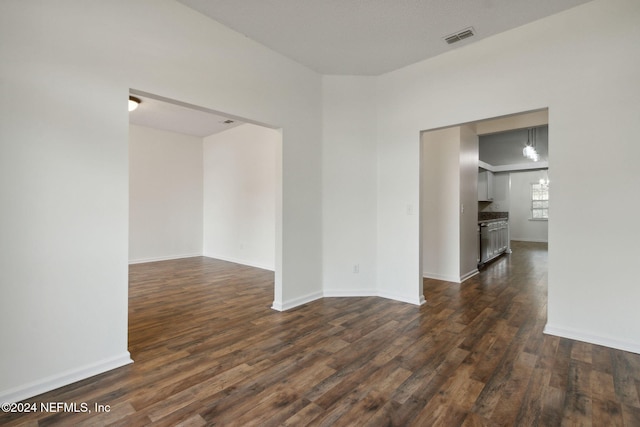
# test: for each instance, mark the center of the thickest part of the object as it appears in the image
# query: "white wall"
(240, 195)
(440, 213)
(165, 195)
(520, 225)
(349, 190)
(64, 167)
(468, 202)
(587, 75)
(449, 203)
(167, 173)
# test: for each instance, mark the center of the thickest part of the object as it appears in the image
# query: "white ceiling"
(370, 37)
(505, 148)
(356, 37)
(173, 117)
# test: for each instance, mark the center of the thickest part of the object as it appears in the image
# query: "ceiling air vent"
(460, 35)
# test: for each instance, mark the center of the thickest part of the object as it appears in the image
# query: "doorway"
(449, 199)
(202, 183)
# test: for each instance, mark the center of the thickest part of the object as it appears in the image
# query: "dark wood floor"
(208, 350)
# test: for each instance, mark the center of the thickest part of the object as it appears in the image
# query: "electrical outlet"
(356, 268)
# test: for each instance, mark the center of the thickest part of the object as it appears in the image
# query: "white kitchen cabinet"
(485, 186)
(494, 239)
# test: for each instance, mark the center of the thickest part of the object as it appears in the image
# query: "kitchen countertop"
(492, 216)
(484, 216)
(484, 221)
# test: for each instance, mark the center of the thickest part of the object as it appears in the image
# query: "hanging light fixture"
(529, 150)
(545, 181)
(133, 103)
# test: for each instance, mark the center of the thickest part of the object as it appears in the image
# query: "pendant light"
(529, 150)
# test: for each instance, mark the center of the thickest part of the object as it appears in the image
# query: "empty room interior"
(319, 213)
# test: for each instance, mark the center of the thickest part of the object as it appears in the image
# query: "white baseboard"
(288, 305)
(295, 302)
(592, 339)
(241, 261)
(469, 275)
(162, 258)
(222, 258)
(454, 279)
(417, 301)
(339, 293)
(53, 382)
(427, 275)
(530, 240)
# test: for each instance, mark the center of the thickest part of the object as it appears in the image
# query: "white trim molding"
(340, 293)
(371, 293)
(469, 275)
(241, 261)
(65, 378)
(453, 279)
(162, 258)
(577, 335)
(288, 305)
(418, 301)
(514, 167)
(295, 302)
(427, 275)
(531, 240)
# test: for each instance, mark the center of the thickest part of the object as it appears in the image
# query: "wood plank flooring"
(208, 350)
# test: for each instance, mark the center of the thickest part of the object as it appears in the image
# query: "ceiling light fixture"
(133, 103)
(529, 150)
